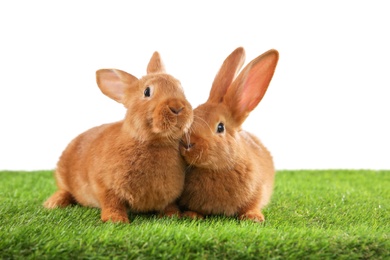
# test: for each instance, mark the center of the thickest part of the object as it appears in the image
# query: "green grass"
(313, 215)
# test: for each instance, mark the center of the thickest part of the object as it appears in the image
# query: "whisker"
(189, 166)
(188, 138)
(200, 119)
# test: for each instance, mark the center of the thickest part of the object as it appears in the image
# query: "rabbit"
(230, 172)
(134, 164)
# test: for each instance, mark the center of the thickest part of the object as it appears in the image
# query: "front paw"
(255, 216)
(193, 215)
(172, 210)
(170, 214)
(115, 217)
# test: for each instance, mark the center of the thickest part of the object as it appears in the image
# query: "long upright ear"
(113, 83)
(155, 64)
(226, 74)
(249, 87)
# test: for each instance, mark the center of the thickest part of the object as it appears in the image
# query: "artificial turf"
(313, 214)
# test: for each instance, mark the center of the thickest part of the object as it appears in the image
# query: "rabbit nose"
(187, 146)
(176, 110)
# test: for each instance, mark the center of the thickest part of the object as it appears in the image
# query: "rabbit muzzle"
(176, 110)
(172, 117)
(194, 150)
(177, 107)
(186, 145)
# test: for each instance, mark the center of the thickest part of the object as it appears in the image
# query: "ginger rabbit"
(135, 163)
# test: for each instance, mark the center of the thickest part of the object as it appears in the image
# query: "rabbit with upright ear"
(230, 171)
(134, 163)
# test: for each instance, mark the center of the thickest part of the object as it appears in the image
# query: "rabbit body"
(134, 176)
(230, 171)
(232, 192)
(135, 163)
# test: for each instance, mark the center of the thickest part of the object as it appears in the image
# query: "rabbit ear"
(155, 64)
(226, 74)
(113, 82)
(251, 84)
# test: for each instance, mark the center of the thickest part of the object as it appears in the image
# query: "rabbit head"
(213, 141)
(156, 105)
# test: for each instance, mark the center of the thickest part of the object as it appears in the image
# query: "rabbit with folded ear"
(135, 163)
(230, 171)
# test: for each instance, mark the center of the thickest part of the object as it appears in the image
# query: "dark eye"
(147, 92)
(220, 128)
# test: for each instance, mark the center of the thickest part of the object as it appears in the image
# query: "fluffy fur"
(135, 163)
(230, 171)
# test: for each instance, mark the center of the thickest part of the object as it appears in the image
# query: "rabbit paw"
(193, 215)
(171, 211)
(114, 216)
(60, 199)
(255, 216)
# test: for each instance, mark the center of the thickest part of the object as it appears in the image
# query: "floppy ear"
(251, 84)
(113, 83)
(155, 64)
(226, 74)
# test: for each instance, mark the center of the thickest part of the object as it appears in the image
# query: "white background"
(327, 106)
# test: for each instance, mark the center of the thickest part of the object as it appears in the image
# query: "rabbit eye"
(147, 92)
(220, 128)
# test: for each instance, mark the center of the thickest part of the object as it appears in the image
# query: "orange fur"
(230, 172)
(135, 163)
